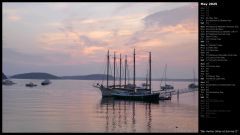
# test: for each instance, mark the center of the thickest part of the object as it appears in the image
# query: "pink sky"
(73, 38)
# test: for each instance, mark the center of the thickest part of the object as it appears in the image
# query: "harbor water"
(77, 106)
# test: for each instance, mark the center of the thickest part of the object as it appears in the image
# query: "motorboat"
(7, 82)
(31, 84)
(46, 82)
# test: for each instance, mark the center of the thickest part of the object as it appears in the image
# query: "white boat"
(46, 82)
(7, 82)
(30, 84)
(166, 94)
(166, 86)
(193, 85)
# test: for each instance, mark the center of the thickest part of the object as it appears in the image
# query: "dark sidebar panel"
(219, 67)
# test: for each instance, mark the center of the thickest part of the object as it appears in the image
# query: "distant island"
(35, 75)
(38, 75)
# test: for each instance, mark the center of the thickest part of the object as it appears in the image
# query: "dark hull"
(112, 100)
(45, 83)
(138, 97)
(165, 98)
(192, 86)
(29, 85)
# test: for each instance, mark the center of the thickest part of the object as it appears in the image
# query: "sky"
(73, 38)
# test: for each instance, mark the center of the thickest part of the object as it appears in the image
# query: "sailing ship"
(193, 85)
(166, 90)
(105, 90)
(108, 89)
(131, 91)
(141, 93)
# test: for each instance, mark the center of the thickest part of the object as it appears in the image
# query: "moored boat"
(46, 82)
(193, 85)
(31, 84)
(7, 82)
(166, 86)
(140, 93)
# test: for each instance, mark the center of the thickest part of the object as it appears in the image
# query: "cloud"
(14, 18)
(12, 15)
(166, 24)
(90, 42)
(171, 17)
(87, 37)
(92, 50)
(100, 34)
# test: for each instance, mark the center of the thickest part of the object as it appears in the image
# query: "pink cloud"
(14, 18)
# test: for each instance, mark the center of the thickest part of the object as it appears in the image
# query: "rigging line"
(162, 77)
(128, 74)
(103, 77)
(102, 68)
(110, 70)
(165, 74)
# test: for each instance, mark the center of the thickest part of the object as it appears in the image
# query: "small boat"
(166, 86)
(7, 82)
(193, 85)
(46, 82)
(165, 97)
(31, 84)
(166, 94)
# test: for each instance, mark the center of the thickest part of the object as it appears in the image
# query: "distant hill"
(4, 76)
(89, 77)
(35, 76)
(80, 77)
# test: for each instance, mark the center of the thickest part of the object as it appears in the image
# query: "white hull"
(106, 92)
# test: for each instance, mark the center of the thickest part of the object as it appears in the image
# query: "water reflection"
(122, 115)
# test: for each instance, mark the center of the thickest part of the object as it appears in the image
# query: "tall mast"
(114, 63)
(107, 67)
(150, 77)
(120, 78)
(165, 74)
(134, 72)
(193, 76)
(125, 73)
(147, 80)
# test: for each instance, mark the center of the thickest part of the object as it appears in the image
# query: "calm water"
(76, 106)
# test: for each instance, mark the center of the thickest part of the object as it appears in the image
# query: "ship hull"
(142, 97)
